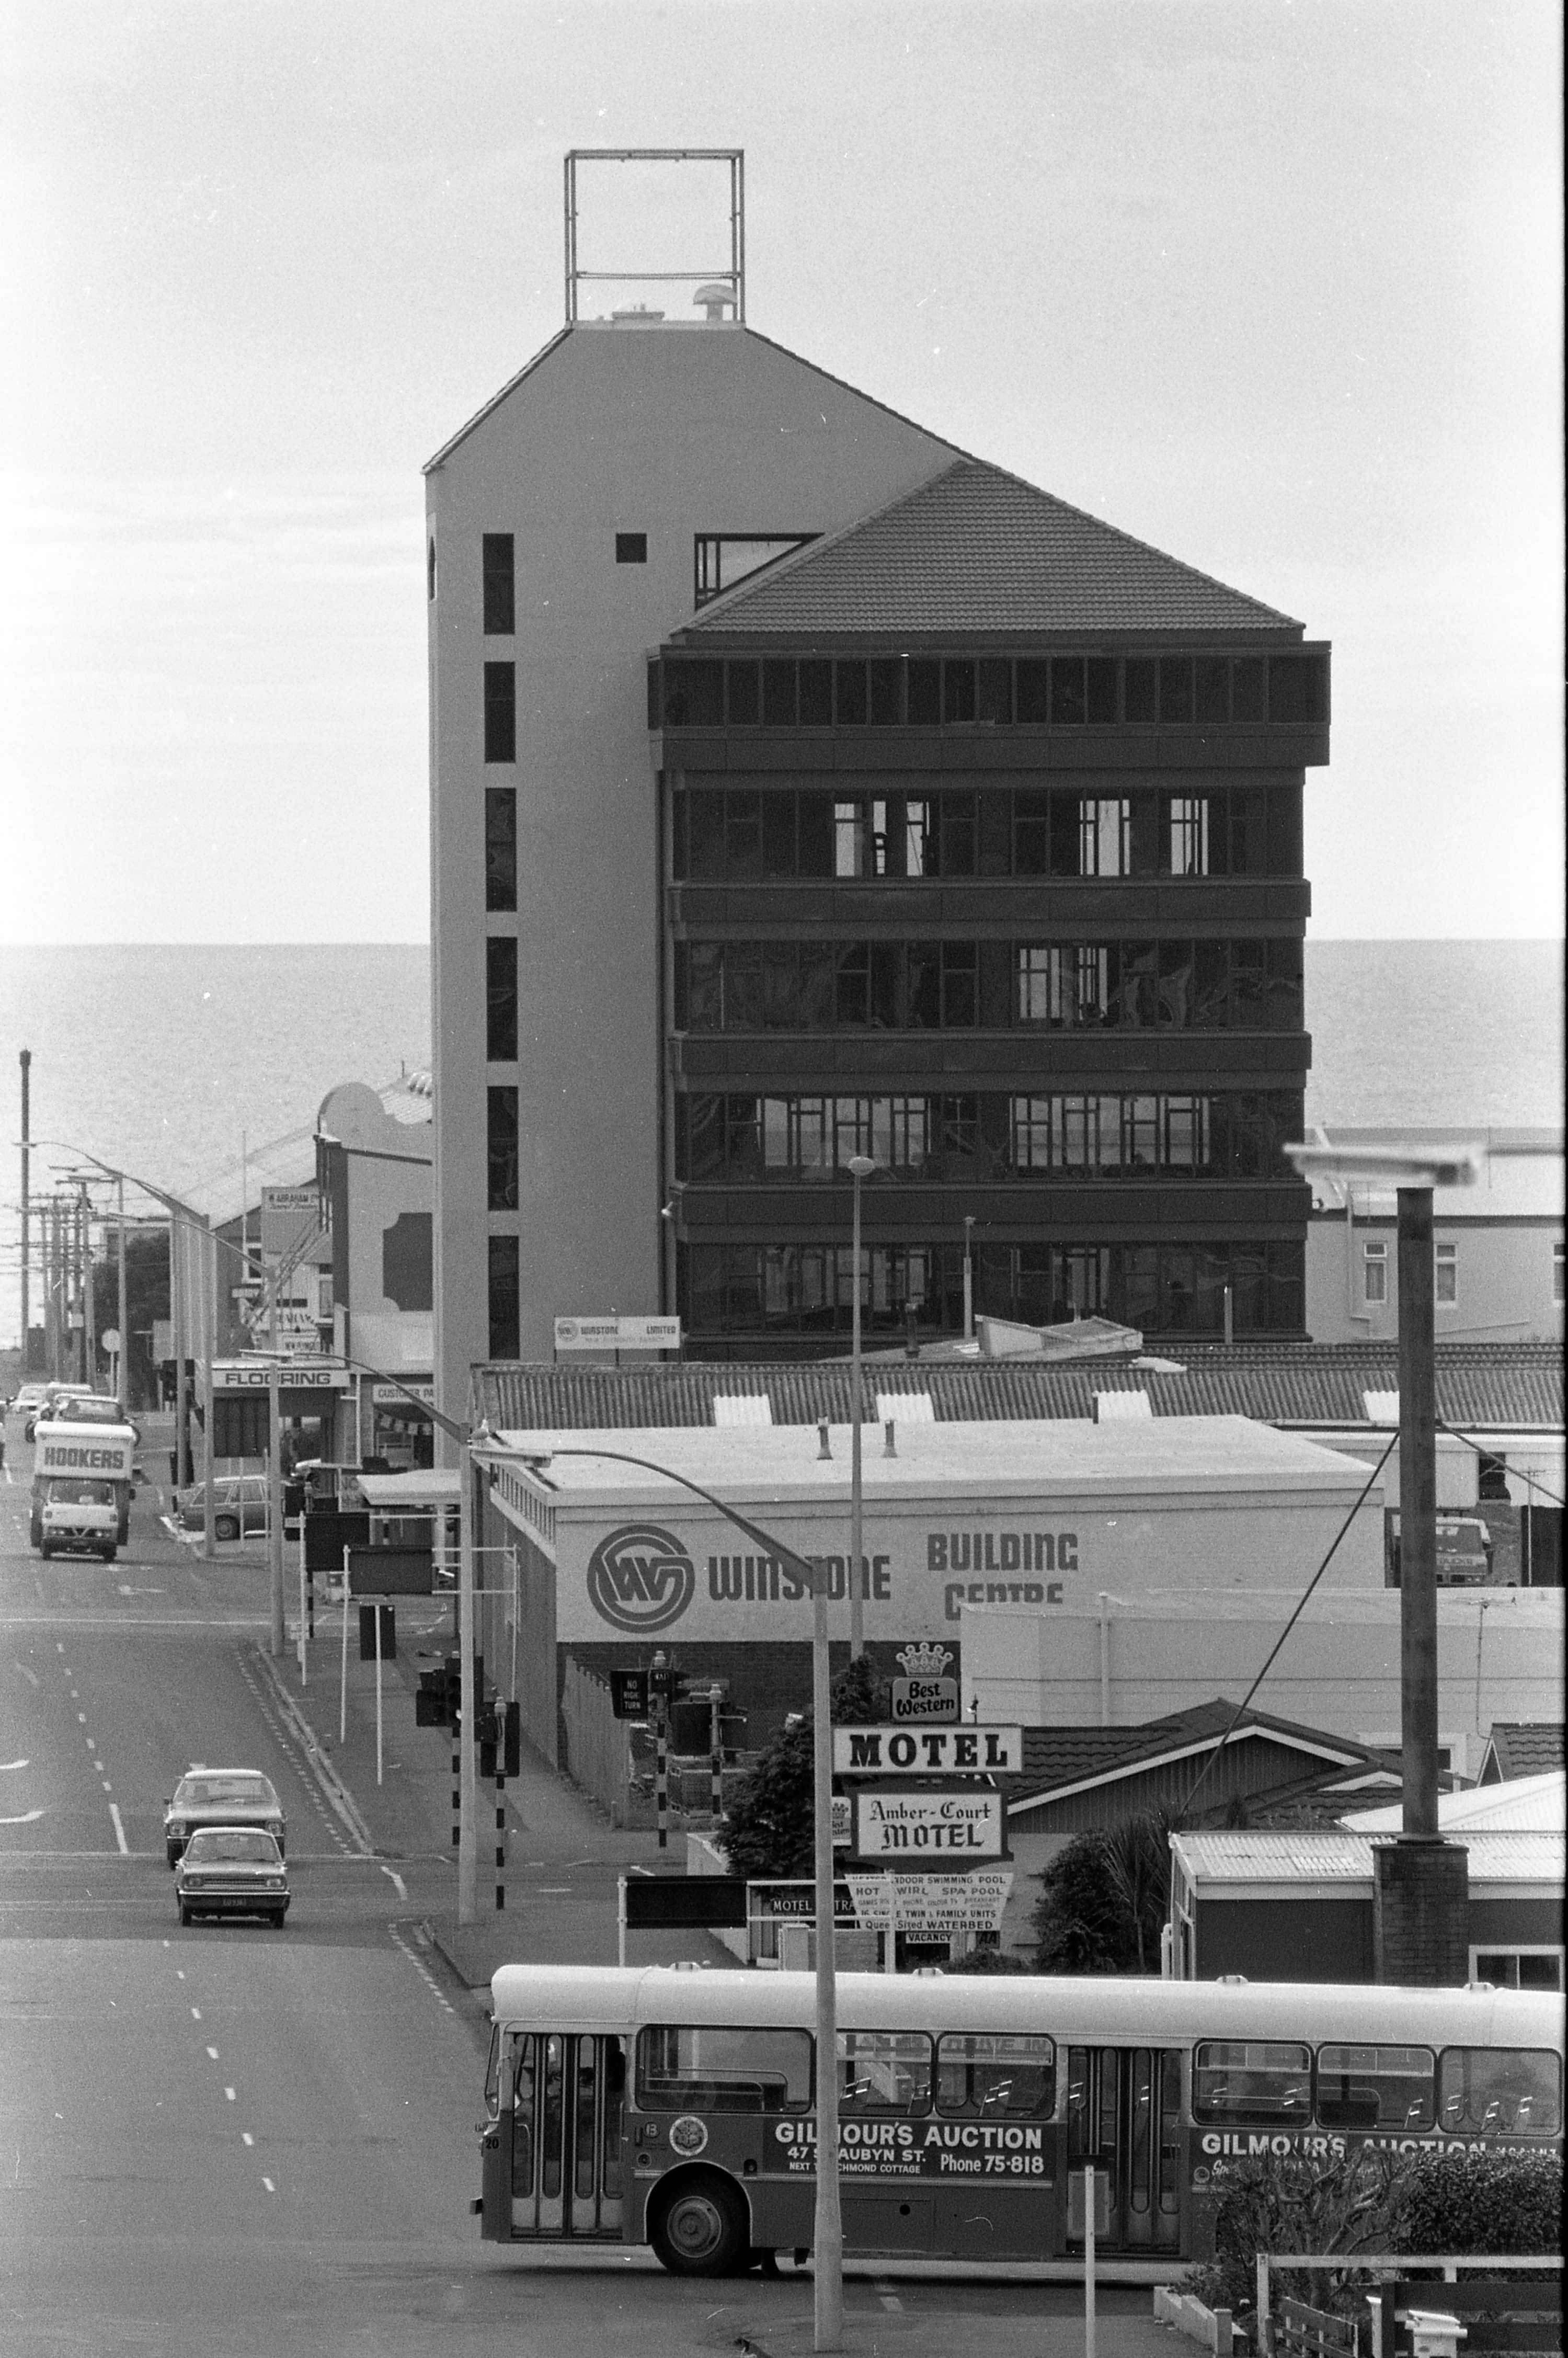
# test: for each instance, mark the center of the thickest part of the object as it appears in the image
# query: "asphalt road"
(234, 2139)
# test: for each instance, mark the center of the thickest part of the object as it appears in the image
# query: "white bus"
(675, 2107)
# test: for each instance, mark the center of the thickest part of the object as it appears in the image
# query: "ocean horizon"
(172, 1063)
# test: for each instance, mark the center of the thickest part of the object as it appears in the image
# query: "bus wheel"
(701, 2230)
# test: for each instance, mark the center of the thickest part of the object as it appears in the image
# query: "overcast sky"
(1273, 287)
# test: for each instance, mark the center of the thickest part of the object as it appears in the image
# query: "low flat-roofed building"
(615, 1561)
(1130, 1655)
(1297, 1907)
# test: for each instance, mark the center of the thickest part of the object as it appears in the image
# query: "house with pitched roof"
(804, 788)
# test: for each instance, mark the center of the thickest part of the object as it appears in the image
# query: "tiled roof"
(1507, 1386)
(1527, 1747)
(1055, 1757)
(978, 549)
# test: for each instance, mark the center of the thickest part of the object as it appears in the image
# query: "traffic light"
(487, 1731)
(512, 1740)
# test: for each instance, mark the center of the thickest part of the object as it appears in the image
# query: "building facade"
(800, 788)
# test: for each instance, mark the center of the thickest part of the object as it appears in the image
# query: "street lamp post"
(860, 1167)
(828, 2230)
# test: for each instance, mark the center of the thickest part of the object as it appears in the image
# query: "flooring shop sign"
(646, 1577)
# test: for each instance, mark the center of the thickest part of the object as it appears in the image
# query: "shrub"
(989, 1960)
(768, 1829)
(1503, 2200)
(1297, 2203)
(1104, 1899)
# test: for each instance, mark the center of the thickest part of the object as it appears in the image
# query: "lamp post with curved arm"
(827, 2321)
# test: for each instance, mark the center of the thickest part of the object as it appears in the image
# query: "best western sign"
(932, 1751)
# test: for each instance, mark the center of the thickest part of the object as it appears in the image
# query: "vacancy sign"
(931, 1751)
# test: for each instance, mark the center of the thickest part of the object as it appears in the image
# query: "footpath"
(564, 1861)
(563, 1857)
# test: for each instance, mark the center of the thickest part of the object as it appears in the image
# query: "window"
(1267, 2082)
(501, 1127)
(722, 558)
(1557, 1273)
(1103, 845)
(1445, 1273)
(884, 2072)
(1188, 852)
(1373, 1270)
(504, 1298)
(500, 712)
(1526, 1969)
(430, 569)
(499, 848)
(693, 695)
(501, 999)
(631, 548)
(1375, 2087)
(711, 2069)
(500, 613)
(1500, 2092)
(992, 2077)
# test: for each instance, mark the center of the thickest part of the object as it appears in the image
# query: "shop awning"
(422, 1489)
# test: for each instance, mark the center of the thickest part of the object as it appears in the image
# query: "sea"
(201, 1069)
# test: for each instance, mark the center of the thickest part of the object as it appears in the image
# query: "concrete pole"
(27, 1065)
(827, 2235)
(1418, 1515)
(275, 1516)
(177, 1317)
(81, 1248)
(122, 1380)
(468, 1803)
(208, 1297)
(968, 1277)
(88, 1298)
(857, 1602)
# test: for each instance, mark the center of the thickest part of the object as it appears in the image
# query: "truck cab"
(86, 1452)
(79, 1517)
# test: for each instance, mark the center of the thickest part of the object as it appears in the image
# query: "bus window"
(995, 2079)
(1499, 2090)
(1267, 2082)
(884, 2072)
(1375, 2087)
(684, 2068)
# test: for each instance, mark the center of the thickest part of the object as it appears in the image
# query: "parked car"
(79, 1517)
(29, 1399)
(221, 1797)
(239, 1505)
(92, 1407)
(231, 1871)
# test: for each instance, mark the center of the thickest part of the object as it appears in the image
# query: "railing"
(1389, 2266)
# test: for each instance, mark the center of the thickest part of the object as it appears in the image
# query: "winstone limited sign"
(646, 1577)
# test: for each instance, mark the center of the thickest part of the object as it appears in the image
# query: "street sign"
(963, 1751)
(110, 1338)
(957, 1826)
(618, 1334)
(932, 1903)
(290, 1219)
(925, 1699)
(629, 1693)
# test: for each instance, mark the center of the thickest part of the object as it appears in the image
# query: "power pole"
(27, 1065)
(89, 1306)
(122, 1387)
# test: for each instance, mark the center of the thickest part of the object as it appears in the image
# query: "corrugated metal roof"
(1248, 1857)
(1520, 1804)
(978, 549)
(1508, 1386)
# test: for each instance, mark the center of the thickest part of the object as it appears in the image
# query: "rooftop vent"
(742, 1408)
(1121, 1408)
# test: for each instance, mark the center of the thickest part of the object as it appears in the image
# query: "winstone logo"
(640, 1577)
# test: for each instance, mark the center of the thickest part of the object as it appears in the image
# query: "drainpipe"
(1104, 1658)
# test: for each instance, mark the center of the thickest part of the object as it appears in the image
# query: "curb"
(339, 1798)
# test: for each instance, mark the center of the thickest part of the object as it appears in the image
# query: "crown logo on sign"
(923, 1661)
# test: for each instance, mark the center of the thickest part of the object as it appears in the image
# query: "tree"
(1105, 1898)
(769, 1831)
(147, 1295)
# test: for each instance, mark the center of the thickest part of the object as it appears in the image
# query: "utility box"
(1434, 2333)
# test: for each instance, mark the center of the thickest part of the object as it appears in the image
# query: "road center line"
(212, 2052)
(119, 1829)
(245, 2137)
(230, 2094)
(268, 2184)
(194, 2011)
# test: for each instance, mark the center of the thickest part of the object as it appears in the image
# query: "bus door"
(564, 2126)
(1124, 2114)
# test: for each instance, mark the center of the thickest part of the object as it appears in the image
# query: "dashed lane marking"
(245, 2137)
(268, 2184)
(119, 1829)
(31, 1676)
(230, 2094)
(15, 1764)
